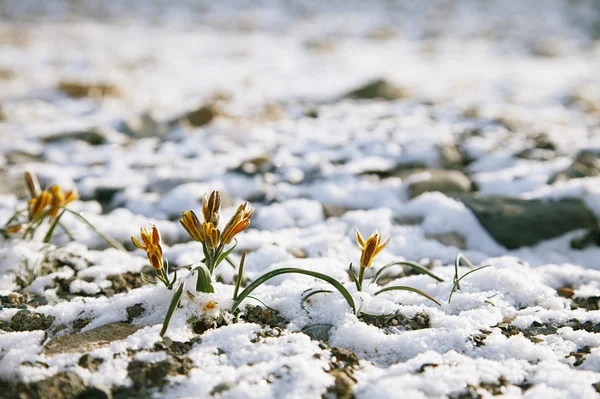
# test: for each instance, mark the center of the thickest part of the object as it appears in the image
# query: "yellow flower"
(211, 207)
(370, 248)
(38, 204)
(151, 245)
(192, 225)
(238, 223)
(60, 199)
(211, 235)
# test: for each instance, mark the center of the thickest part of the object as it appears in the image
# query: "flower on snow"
(151, 245)
(370, 248)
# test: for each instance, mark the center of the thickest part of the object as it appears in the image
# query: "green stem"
(50, 232)
(267, 276)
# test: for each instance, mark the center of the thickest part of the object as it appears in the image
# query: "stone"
(26, 320)
(452, 157)
(80, 89)
(515, 222)
(89, 340)
(318, 332)
(586, 164)
(144, 125)
(66, 385)
(334, 211)
(444, 181)
(92, 136)
(201, 116)
(378, 89)
(450, 239)
(566, 292)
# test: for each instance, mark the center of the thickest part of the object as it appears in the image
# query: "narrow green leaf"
(50, 232)
(256, 283)
(225, 254)
(240, 276)
(104, 236)
(204, 281)
(405, 288)
(353, 277)
(315, 292)
(414, 265)
(172, 307)
(456, 283)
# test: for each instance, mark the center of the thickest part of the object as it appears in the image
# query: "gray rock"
(318, 332)
(379, 89)
(25, 320)
(586, 164)
(60, 386)
(515, 223)
(334, 211)
(450, 239)
(144, 125)
(452, 156)
(444, 181)
(89, 340)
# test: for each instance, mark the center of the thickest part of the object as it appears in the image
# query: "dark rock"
(222, 387)
(264, 317)
(135, 311)
(201, 116)
(25, 320)
(148, 377)
(452, 156)
(93, 137)
(144, 125)
(396, 320)
(444, 181)
(89, 362)
(589, 303)
(586, 164)
(125, 282)
(515, 222)
(590, 238)
(89, 340)
(60, 386)
(379, 89)
(318, 332)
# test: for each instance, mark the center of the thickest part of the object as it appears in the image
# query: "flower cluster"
(49, 204)
(208, 233)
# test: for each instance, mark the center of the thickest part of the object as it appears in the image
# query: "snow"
(478, 75)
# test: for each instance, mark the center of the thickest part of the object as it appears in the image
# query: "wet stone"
(318, 332)
(134, 311)
(80, 89)
(515, 222)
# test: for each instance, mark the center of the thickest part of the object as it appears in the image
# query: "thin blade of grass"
(174, 303)
(456, 286)
(353, 277)
(104, 236)
(225, 254)
(256, 283)
(240, 276)
(406, 288)
(414, 265)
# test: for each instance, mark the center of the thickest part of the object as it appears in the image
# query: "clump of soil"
(398, 321)
(264, 317)
(26, 320)
(342, 365)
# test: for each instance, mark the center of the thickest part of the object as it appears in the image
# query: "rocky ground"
(454, 127)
